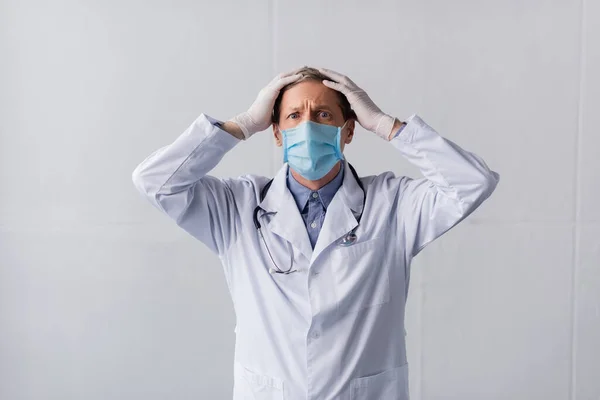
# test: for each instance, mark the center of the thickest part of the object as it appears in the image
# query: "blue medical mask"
(312, 149)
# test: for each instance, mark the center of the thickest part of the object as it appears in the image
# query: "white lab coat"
(335, 329)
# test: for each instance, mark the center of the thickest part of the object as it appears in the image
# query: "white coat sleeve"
(455, 183)
(174, 179)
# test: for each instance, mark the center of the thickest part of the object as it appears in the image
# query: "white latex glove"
(258, 116)
(369, 115)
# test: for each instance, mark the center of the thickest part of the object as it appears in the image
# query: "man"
(317, 260)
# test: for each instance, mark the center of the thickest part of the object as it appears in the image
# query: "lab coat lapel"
(342, 213)
(287, 221)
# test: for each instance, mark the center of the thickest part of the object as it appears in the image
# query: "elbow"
(478, 191)
(146, 188)
(483, 188)
(488, 183)
(142, 183)
(138, 182)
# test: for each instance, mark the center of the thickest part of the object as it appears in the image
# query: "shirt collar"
(301, 193)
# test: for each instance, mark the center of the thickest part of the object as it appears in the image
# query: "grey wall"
(102, 297)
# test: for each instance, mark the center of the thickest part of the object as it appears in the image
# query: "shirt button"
(313, 225)
(315, 273)
(315, 335)
(315, 195)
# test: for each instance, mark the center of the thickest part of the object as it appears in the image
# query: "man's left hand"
(369, 115)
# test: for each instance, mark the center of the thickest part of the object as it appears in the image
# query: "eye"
(291, 116)
(325, 114)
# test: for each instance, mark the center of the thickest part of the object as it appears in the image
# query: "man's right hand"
(258, 116)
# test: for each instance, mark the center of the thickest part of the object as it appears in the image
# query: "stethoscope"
(347, 240)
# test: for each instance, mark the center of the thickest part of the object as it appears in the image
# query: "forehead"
(309, 91)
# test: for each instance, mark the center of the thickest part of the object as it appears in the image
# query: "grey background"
(102, 297)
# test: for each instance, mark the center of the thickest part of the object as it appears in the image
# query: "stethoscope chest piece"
(349, 239)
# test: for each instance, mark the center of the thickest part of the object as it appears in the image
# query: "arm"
(232, 128)
(455, 183)
(397, 128)
(174, 179)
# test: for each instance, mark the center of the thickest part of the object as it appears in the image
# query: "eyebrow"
(318, 106)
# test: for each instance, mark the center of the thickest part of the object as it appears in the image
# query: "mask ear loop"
(284, 137)
(338, 147)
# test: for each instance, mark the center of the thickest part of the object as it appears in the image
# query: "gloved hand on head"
(369, 115)
(258, 116)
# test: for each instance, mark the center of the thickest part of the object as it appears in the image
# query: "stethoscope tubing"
(348, 240)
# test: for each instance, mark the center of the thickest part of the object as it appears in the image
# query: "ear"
(277, 135)
(350, 131)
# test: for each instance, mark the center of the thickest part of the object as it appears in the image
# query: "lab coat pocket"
(389, 384)
(361, 276)
(252, 385)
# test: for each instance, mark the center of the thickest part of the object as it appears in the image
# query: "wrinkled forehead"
(309, 93)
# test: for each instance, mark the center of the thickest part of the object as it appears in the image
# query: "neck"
(318, 184)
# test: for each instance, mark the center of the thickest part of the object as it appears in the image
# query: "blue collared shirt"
(313, 204)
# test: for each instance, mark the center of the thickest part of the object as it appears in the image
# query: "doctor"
(317, 260)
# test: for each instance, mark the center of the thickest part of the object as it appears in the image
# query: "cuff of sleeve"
(224, 137)
(411, 126)
(400, 130)
(213, 121)
(217, 124)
